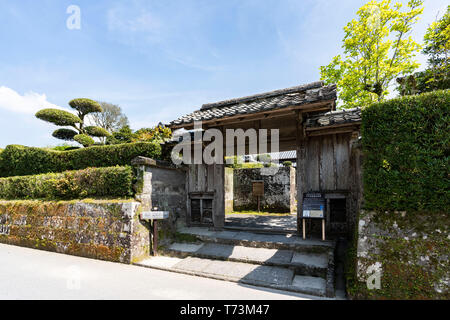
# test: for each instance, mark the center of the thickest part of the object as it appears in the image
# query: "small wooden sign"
(154, 215)
(258, 188)
(319, 214)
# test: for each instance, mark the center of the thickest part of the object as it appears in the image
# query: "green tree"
(159, 133)
(123, 135)
(78, 132)
(437, 41)
(377, 49)
(437, 47)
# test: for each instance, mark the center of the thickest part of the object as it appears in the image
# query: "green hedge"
(87, 183)
(18, 160)
(406, 143)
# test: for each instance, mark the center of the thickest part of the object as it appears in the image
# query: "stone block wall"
(101, 229)
(279, 189)
(162, 187)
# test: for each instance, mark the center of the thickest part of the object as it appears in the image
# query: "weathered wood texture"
(327, 163)
(330, 166)
(204, 178)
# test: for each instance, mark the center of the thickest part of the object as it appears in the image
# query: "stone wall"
(279, 189)
(162, 187)
(100, 229)
(409, 252)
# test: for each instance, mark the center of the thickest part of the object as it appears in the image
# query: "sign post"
(313, 208)
(258, 191)
(153, 217)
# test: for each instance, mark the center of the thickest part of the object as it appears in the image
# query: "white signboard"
(313, 214)
(154, 215)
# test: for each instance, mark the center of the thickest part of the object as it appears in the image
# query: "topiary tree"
(287, 164)
(82, 135)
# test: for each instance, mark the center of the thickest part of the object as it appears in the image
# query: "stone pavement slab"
(271, 275)
(160, 262)
(186, 247)
(285, 241)
(199, 231)
(286, 222)
(311, 259)
(230, 270)
(240, 253)
(237, 271)
(313, 285)
(260, 275)
(192, 264)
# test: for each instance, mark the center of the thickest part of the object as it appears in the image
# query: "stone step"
(308, 264)
(258, 275)
(260, 240)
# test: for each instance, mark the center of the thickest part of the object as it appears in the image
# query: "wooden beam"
(301, 157)
(340, 125)
(349, 129)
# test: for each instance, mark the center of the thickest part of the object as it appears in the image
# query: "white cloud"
(29, 103)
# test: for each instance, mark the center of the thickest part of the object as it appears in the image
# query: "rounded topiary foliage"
(287, 164)
(58, 117)
(96, 131)
(84, 140)
(64, 134)
(85, 106)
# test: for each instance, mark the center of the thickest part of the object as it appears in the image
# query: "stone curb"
(299, 268)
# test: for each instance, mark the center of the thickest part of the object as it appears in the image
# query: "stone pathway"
(287, 223)
(258, 275)
(276, 261)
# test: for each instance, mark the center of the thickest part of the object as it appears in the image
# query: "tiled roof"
(278, 99)
(334, 117)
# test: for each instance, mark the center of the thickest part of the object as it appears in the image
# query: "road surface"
(34, 274)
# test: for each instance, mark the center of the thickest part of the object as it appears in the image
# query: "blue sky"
(161, 59)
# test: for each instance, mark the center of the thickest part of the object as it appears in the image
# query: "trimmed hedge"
(18, 160)
(91, 182)
(406, 144)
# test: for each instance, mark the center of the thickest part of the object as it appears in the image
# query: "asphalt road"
(34, 274)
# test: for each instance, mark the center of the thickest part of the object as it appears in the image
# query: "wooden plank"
(342, 151)
(188, 201)
(340, 125)
(312, 165)
(326, 132)
(334, 139)
(327, 181)
(210, 177)
(201, 177)
(192, 177)
(219, 199)
(301, 158)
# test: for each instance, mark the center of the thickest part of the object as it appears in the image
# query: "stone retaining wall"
(101, 229)
(162, 187)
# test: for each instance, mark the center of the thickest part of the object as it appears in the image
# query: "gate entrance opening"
(325, 141)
